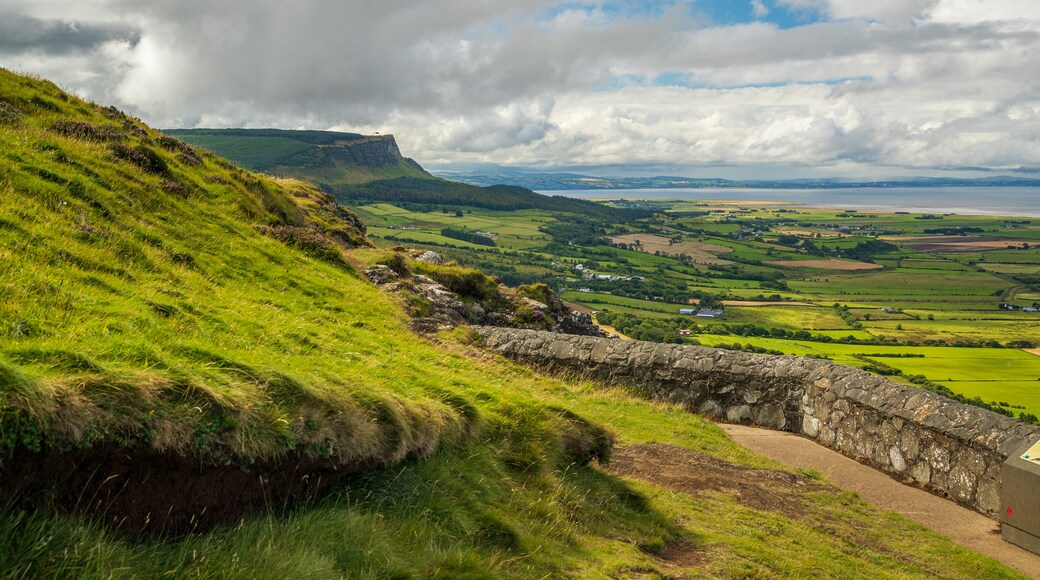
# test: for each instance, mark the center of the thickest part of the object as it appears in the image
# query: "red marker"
(1010, 512)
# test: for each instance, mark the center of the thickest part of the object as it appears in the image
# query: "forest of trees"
(465, 236)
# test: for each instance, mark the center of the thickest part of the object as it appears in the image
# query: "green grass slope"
(155, 299)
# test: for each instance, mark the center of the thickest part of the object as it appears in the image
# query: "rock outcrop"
(435, 307)
(954, 449)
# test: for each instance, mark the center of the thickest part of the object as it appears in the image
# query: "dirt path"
(688, 471)
(692, 472)
(604, 327)
(965, 527)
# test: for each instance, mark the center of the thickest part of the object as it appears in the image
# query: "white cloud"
(889, 11)
(976, 11)
(759, 9)
(913, 84)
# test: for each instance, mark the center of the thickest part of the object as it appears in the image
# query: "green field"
(516, 230)
(1001, 375)
(923, 294)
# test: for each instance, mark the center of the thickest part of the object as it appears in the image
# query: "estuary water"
(999, 201)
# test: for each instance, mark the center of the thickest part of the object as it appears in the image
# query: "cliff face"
(351, 162)
(374, 152)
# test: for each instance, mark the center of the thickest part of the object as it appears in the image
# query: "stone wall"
(956, 450)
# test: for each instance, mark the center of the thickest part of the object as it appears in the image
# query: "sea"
(997, 201)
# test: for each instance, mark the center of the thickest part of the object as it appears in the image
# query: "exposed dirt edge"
(144, 491)
(692, 472)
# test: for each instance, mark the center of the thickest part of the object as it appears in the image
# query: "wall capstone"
(956, 450)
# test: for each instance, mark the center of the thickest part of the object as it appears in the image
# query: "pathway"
(964, 526)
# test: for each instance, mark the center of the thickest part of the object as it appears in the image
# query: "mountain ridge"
(331, 158)
(359, 169)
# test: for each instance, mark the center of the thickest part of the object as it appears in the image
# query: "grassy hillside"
(158, 303)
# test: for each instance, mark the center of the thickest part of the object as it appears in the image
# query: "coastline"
(987, 201)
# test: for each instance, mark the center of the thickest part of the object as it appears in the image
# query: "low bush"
(141, 156)
(87, 132)
(311, 241)
(9, 114)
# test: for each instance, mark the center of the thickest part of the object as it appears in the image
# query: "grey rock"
(711, 408)
(430, 257)
(739, 414)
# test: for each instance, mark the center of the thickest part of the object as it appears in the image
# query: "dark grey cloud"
(20, 33)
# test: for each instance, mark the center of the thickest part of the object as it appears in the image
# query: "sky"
(754, 89)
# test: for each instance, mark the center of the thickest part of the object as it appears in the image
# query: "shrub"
(113, 113)
(309, 240)
(87, 132)
(539, 291)
(396, 262)
(176, 188)
(9, 114)
(189, 159)
(141, 156)
(173, 144)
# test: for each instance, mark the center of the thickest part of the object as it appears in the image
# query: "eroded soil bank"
(161, 494)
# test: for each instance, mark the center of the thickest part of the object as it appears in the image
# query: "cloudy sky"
(741, 88)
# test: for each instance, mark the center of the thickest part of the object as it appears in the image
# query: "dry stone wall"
(954, 449)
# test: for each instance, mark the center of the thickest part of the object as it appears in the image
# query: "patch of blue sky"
(622, 81)
(710, 12)
(728, 13)
(690, 81)
(612, 10)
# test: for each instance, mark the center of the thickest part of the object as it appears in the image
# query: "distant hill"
(368, 168)
(570, 181)
(453, 193)
(327, 157)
